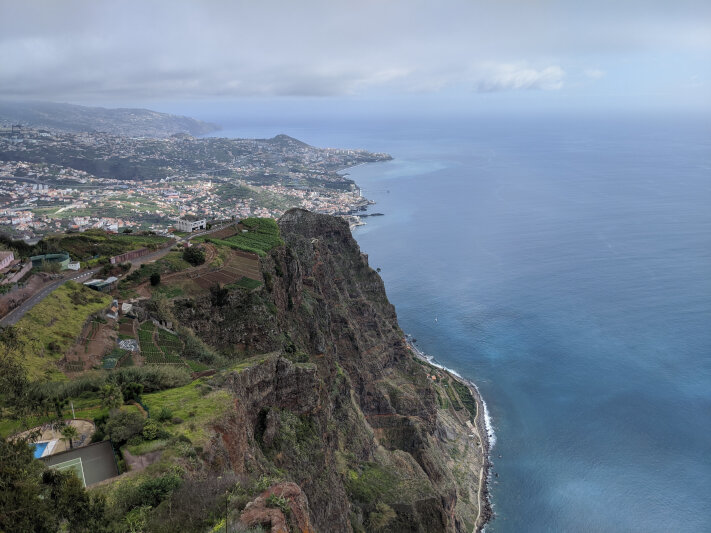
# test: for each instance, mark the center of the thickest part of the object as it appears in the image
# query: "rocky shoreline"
(483, 429)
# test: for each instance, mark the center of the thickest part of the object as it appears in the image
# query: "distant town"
(54, 182)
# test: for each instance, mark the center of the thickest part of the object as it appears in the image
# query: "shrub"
(155, 279)
(151, 430)
(279, 502)
(381, 518)
(164, 414)
(132, 391)
(153, 378)
(194, 256)
(123, 425)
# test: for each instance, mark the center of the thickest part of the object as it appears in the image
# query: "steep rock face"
(357, 426)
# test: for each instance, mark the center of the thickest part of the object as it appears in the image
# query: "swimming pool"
(39, 449)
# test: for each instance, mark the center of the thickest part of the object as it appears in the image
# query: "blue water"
(39, 449)
(568, 264)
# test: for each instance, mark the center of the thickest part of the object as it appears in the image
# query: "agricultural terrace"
(47, 331)
(92, 243)
(171, 262)
(257, 235)
(159, 347)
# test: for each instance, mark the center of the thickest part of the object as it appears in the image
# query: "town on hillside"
(58, 181)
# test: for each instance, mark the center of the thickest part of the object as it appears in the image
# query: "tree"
(132, 391)
(155, 279)
(35, 498)
(13, 375)
(70, 433)
(111, 396)
(194, 256)
(122, 425)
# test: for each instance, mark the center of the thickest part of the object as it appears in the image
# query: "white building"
(190, 224)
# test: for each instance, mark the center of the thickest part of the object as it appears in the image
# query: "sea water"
(564, 265)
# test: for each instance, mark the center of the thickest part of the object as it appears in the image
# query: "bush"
(164, 414)
(155, 279)
(152, 491)
(279, 502)
(151, 429)
(123, 425)
(132, 391)
(153, 378)
(381, 518)
(194, 256)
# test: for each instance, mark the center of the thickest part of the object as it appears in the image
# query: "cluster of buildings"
(234, 178)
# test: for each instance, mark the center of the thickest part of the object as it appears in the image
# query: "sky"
(516, 54)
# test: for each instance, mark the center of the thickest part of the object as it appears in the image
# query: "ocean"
(563, 264)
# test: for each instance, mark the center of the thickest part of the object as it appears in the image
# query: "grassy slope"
(51, 327)
(195, 404)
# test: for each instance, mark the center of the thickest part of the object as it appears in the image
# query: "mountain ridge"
(132, 122)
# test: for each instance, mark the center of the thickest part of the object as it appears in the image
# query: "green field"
(191, 404)
(166, 352)
(261, 236)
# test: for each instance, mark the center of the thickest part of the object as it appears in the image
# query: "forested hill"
(76, 118)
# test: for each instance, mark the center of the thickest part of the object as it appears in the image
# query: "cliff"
(329, 398)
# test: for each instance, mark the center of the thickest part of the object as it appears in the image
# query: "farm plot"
(152, 352)
(111, 359)
(224, 232)
(237, 265)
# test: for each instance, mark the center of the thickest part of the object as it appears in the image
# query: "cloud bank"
(79, 50)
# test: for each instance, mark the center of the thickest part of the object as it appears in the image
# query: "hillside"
(121, 121)
(316, 415)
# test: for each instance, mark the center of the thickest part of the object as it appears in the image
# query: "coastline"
(482, 424)
(484, 429)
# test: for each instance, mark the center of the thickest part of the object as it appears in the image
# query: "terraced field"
(238, 264)
(165, 352)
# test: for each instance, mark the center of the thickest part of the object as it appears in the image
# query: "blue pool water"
(39, 449)
(568, 263)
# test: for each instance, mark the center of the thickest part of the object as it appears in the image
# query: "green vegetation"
(279, 502)
(165, 352)
(244, 283)
(465, 396)
(36, 498)
(261, 236)
(372, 483)
(193, 255)
(195, 404)
(111, 359)
(93, 243)
(169, 343)
(53, 325)
(171, 262)
(197, 366)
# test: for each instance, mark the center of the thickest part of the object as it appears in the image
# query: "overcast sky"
(597, 53)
